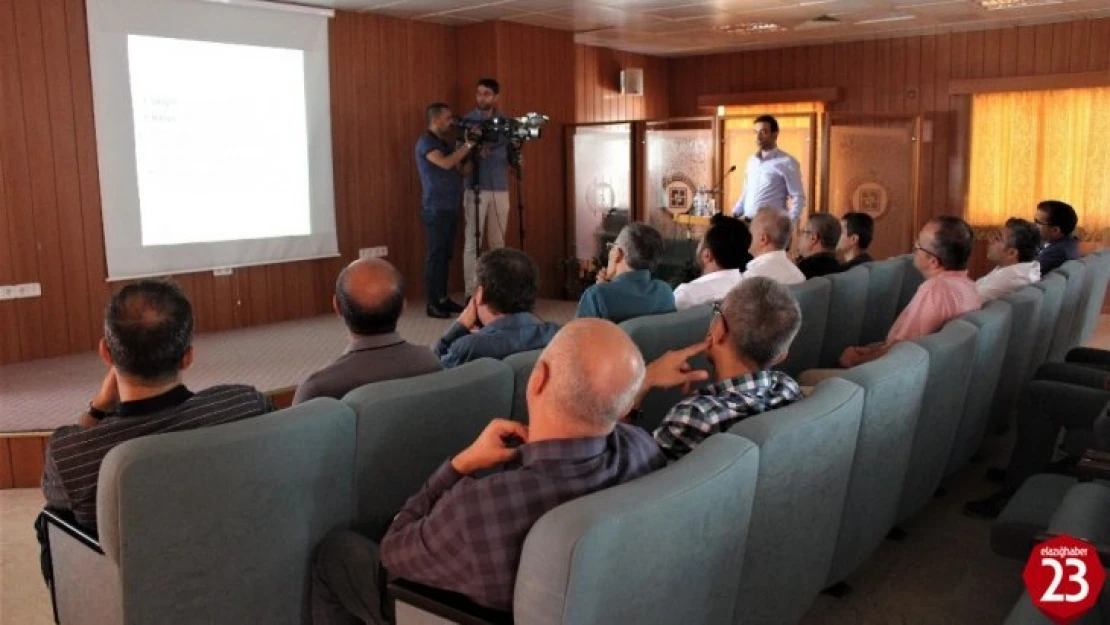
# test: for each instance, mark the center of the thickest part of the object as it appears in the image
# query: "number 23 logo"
(1078, 577)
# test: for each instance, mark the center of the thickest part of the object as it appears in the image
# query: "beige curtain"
(1033, 145)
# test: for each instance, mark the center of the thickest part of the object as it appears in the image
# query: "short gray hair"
(762, 318)
(642, 245)
(778, 226)
(826, 228)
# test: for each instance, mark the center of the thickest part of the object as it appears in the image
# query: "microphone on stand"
(722, 180)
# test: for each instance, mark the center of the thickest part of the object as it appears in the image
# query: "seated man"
(940, 254)
(857, 229)
(148, 334)
(465, 533)
(1014, 250)
(817, 246)
(369, 296)
(722, 254)
(625, 288)
(770, 236)
(498, 320)
(751, 332)
(1057, 221)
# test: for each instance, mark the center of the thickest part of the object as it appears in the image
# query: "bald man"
(369, 296)
(464, 533)
(770, 236)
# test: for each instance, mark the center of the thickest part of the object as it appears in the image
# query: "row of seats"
(218, 525)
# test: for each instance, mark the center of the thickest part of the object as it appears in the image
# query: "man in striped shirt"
(751, 331)
(147, 344)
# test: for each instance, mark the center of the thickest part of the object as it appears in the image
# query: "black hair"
(769, 120)
(952, 242)
(862, 225)
(728, 239)
(826, 227)
(433, 111)
(148, 327)
(509, 279)
(491, 84)
(1060, 214)
(1023, 236)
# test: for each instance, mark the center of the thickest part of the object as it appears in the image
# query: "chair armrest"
(445, 604)
(65, 522)
(1094, 465)
(1102, 549)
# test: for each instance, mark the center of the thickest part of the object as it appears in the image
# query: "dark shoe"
(438, 313)
(990, 507)
(996, 475)
(450, 306)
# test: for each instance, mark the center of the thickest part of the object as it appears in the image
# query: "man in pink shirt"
(941, 253)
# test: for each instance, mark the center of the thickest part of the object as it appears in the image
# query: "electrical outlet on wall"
(31, 289)
(7, 292)
(380, 251)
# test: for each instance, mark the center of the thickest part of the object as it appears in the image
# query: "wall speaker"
(632, 81)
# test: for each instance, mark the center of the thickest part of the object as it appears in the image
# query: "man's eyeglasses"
(917, 248)
(1041, 223)
(717, 312)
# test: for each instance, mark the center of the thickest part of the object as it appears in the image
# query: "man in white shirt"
(770, 235)
(1014, 250)
(771, 177)
(722, 254)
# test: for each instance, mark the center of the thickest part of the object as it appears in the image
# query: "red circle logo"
(1064, 578)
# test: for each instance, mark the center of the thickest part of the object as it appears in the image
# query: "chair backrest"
(407, 428)
(603, 559)
(219, 524)
(893, 387)
(1052, 288)
(911, 279)
(994, 323)
(1064, 333)
(805, 352)
(848, 293)
(1096, 275)
(522, 364)
(951, 356)
(805, 459)
(884, 291)
(657, 334)
(1025, 311)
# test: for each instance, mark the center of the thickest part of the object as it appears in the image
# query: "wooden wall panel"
(903, 75)
(597, 90)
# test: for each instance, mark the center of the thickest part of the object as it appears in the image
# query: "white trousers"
(492, 224)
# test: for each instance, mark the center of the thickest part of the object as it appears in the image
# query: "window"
(1034, 145)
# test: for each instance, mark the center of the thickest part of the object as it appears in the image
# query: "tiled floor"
(942, 573)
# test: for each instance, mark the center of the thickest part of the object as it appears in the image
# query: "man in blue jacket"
(1057, 221)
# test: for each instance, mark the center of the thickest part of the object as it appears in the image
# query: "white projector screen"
(213, 135)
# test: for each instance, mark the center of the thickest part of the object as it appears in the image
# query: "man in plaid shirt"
(751, 332)
(465, 534)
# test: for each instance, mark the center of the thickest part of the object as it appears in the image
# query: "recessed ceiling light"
(750, 28)
(996, 5)
(888, 18)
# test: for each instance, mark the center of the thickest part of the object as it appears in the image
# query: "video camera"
(516, 129)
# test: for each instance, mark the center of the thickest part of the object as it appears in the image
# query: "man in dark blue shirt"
(498, 320)
(440, 165)
(1057, 221)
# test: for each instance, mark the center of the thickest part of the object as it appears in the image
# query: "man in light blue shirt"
(490, 181)
(772, 176)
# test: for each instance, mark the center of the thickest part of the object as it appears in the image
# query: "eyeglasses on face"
(917, 248)
(719, 314)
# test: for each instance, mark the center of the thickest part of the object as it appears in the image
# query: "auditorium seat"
(911, 279)
(884, 288)
(658, 334)
(805, 459)
(665, 548)
(951, 355)
(893, 389)
(805, 352)
(1025, 310)
(1063, 334)
(1096, 276)
(993, 323)
(848, 293)
(522, 364)
(407, 428)
(1052, 289)
(215, 525)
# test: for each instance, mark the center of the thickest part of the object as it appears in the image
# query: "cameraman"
(439, 164)
(491, 181)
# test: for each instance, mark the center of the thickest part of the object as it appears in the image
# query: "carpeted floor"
(44, 394)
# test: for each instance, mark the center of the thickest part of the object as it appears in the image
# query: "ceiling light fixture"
(750, 28)
(888, 18)
(998, 5)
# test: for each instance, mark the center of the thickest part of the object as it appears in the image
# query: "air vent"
(750, 28)
(824, 21)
